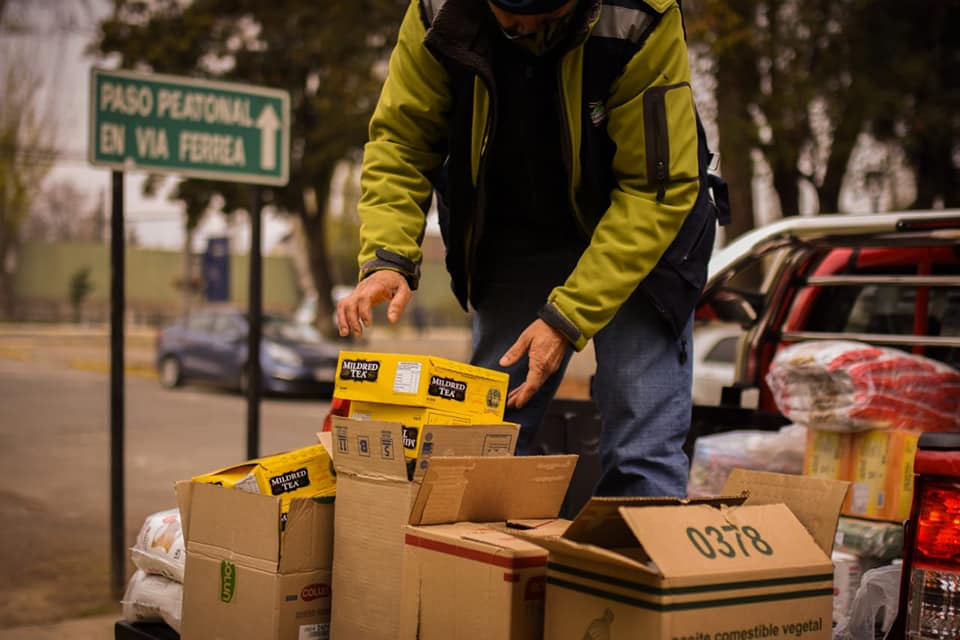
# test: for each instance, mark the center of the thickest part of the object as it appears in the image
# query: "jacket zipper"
(658, 137)
(568, 147)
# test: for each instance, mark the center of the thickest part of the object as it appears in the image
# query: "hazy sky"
(56, 52)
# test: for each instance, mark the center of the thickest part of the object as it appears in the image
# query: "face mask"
(543, 40)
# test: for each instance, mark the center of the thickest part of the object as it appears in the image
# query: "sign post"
(197, 129)
(189, 127)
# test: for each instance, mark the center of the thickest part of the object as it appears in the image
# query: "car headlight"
(283, 355)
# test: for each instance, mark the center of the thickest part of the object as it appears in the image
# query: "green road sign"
(189, 127)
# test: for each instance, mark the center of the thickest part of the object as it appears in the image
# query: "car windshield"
(279, 329)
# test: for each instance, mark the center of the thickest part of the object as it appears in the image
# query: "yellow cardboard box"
(828, 454)
(301, 473)
(422, 381)
(882, 474)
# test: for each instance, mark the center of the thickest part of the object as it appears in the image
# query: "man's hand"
(356, 310)
(546, 348)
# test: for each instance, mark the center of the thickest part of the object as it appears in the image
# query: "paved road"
(54, 457)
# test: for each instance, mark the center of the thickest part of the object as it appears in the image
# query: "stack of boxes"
(417, 391)
(438, 531)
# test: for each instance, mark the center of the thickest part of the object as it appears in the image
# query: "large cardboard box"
(466, 580)
(375, 502)
(737, 567)
(881, 471)
(243, 579)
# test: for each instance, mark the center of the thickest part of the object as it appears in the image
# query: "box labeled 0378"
(417, 390)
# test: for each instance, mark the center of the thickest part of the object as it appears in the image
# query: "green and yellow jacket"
(633, 152)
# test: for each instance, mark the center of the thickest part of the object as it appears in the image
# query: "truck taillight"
(930, 591)
(933, 604)
(938, 527)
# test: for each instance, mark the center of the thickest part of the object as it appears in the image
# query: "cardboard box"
(882, 474)
(375, 501)
(243, 579)
(422, 381)
(301, 473)
(735, 567)
(467, 580)
(413, 420)
(828, 454)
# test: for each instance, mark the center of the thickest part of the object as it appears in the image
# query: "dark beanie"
(528, 7)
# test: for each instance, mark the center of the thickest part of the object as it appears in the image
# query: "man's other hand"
(546, 349)
(356, 310)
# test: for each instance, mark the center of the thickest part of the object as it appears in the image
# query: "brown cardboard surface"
(374, 500)
(307, 543)
(701, 569)
(471, 581)
(243, 579)
(214, 521)
(456, 489)
(699, 540)
(814, 501)
(368, 448)
(599, 521)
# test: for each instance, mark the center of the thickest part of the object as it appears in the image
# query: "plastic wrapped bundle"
(715, 456)
(845, 386)
(153, 598)
(159, 547)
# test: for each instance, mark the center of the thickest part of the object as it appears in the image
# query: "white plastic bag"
(153, 598)
(874, 606)
(159, 547)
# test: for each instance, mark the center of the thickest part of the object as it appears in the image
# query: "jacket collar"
(461, 30)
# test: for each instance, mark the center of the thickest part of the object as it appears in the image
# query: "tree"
(801, 81)
(328, 55)
(27, 136)
(60, 212)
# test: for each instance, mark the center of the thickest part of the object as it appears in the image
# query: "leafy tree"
(27, 154)
(328, 55)
(801, 81)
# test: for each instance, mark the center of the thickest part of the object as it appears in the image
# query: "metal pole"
(118, 547)
(255, 311)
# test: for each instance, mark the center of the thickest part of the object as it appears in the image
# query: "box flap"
(184, 491)
(538, 527)
(465, 440)
(477, 489)
(483, 538)
(308, 537)
(815, 502)
(246, 523)
(588, 552)
(325, 438)
(599, 520)
(369, 448)
(698, 540)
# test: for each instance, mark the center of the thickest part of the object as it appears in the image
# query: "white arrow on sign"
(268, 123)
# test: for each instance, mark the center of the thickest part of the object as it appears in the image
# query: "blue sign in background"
(216, 270)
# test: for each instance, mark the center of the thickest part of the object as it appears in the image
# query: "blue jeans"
(642, 384)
